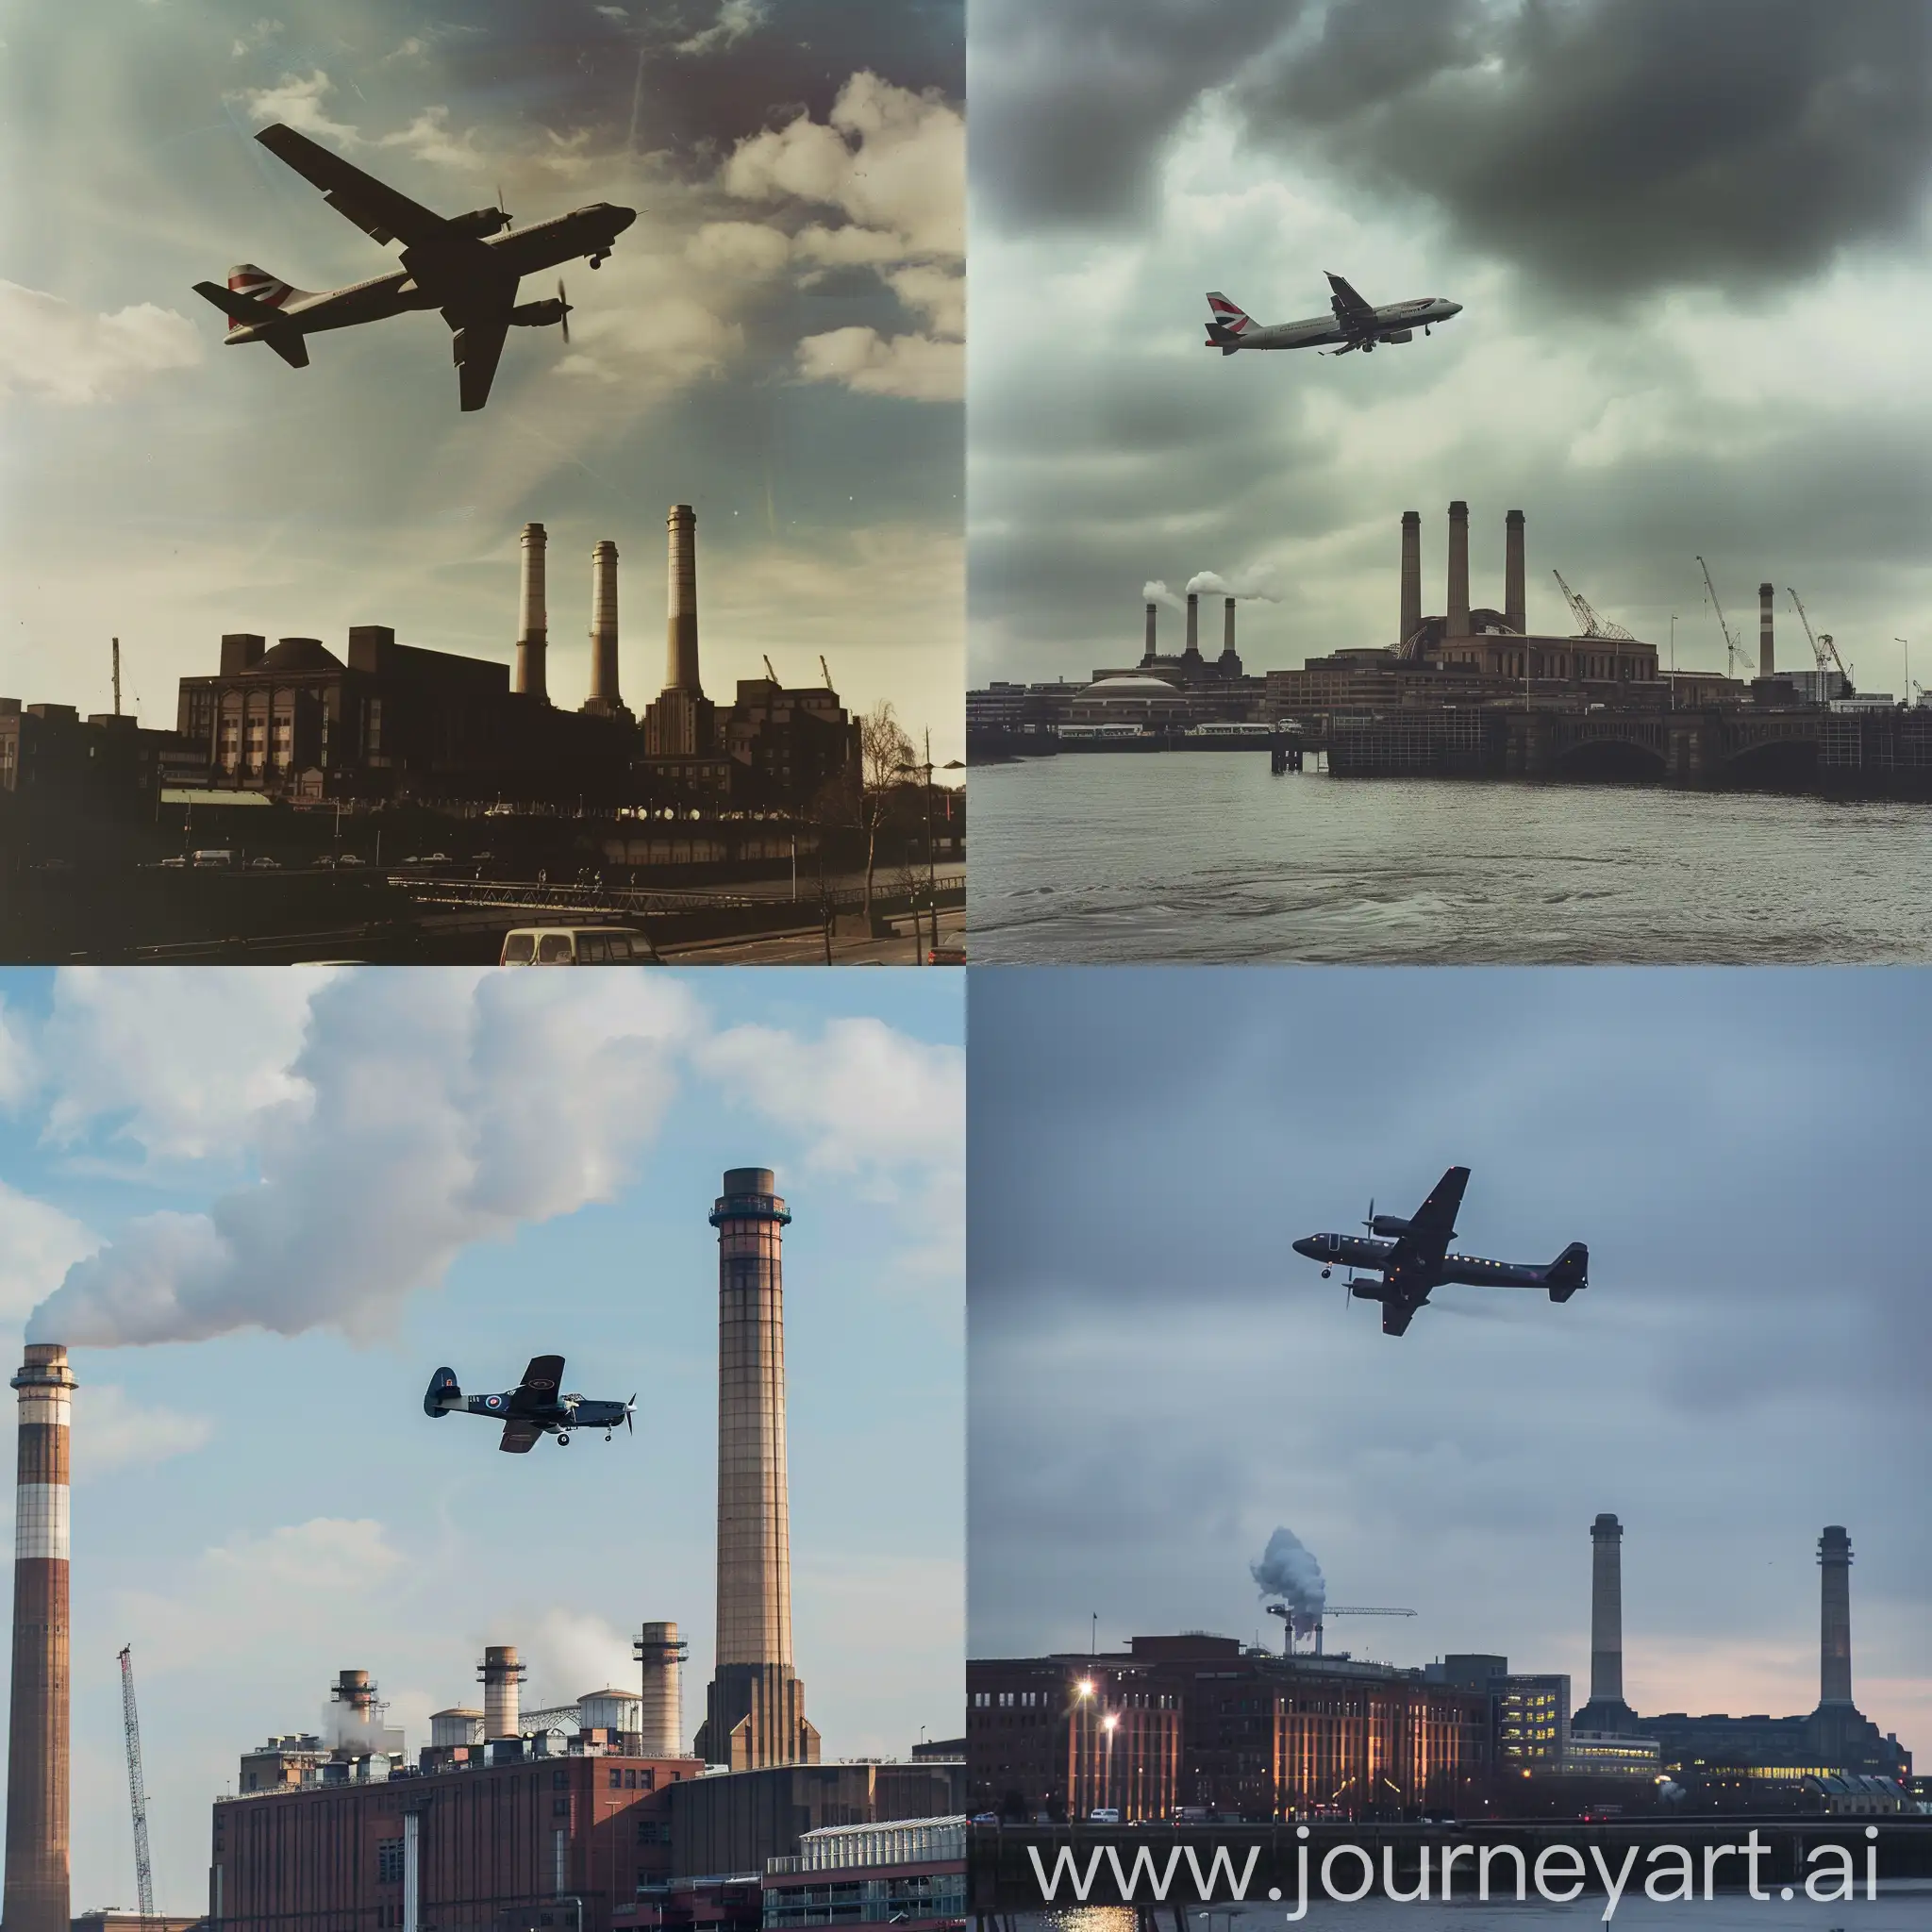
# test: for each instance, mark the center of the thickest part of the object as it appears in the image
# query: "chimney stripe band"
(40, 1521)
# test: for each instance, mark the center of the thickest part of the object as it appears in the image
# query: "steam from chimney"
(1247, 585)
(1157, 593)
(1286, 1573)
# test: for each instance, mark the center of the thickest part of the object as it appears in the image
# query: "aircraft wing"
(476, 342)
(518, 1437)
(377, 210)
(1396, 1316)
(1418, 1254)
(540, 1386)
(1350, 311)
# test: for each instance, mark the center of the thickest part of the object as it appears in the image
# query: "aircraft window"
(553, 949)
(518, 949)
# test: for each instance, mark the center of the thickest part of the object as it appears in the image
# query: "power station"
(508, 1810)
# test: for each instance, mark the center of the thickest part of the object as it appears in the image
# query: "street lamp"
(1108, 1724)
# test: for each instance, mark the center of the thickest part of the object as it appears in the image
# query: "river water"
(1207, 856)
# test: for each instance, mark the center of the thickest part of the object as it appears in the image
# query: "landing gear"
(607, 1435)
(597, 261)
(1326, 1273)
(563, 1439)
(1426, 328)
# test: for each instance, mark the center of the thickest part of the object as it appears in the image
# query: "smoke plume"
(1157, 593)
(1246, 586)
(1286, 1573)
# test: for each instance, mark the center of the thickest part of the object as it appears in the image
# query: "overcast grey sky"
(1691, 243)
(776, 341)
(1157, 1382)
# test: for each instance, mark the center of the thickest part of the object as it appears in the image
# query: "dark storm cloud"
(1621, 146)
(1157, 1382)
(1073, 103)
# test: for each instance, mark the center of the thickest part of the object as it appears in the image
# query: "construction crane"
(1733, 649)
(1588, 622)
(136, 1789)
(770, 673)
(1287, 1617)
(1823, 649)
(825, 670)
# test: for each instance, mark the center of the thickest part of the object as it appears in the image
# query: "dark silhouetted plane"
(1417, 1259)
(467, 265)
(534, 1407)
(1355, 324)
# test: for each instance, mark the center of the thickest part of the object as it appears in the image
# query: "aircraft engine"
(1368, 1290)
(540, 314)
(1390, 1224)
(1398, 335)
(481, 222)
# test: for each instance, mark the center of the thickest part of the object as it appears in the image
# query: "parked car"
(212, 857)
(264, 863)
(577, 945)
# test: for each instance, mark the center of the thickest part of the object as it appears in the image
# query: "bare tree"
(884, 752)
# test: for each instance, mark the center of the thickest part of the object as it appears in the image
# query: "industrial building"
(389, 720)
(1198, 1722)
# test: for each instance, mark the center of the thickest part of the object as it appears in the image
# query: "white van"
(576, 945)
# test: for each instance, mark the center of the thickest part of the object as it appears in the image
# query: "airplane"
(1355, 324)
(1417, 1258)
(466, 265)
(532, 1408)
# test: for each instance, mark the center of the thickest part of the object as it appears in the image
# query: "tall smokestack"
(681, 627)
(604, 627)
(36, 1896)
(501, 1672)
(755, 1706)
(533, 635)
(1459, 569)
(1765, 664)
(1515, 601)
(1606, 1610)
(1193, 649)
(1227, 626)
(1835, 1616)
(1411, 575)
(1147, 655)
(661, 1716)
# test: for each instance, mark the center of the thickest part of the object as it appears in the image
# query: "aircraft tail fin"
(1226, 323)
(1569, 1272)
(244, 278)
(443, 1394)
(254, 300)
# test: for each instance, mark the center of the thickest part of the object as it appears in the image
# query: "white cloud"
(913, 366)
(450, 1108)
(429, 139)
(735, 19)
(38, 1245)
(886, 158)
(296, 100)
(16, 1061)
(119, 1432)
(51, 347)
(738, 249)
(179, 1062)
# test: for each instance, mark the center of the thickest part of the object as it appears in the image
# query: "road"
(808, 948)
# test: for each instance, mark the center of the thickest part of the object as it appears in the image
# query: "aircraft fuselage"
(453, 273)
(1320, 331)
(1372, 1255)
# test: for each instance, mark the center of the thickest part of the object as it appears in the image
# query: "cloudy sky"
(775, 342)
(1159, 1383)
(263, 1208)
(1691, 246)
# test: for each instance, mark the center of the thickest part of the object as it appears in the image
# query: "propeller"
(628, 1421)
(500, 208)
(563, 324)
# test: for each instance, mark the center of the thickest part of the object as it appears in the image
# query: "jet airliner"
(466, 265)
(1355, 324)
(1417, 1259)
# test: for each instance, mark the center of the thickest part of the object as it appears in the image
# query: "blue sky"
(419, 1168)
(1158, 1382)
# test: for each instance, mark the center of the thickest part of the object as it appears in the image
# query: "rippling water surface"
(1206, 856)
